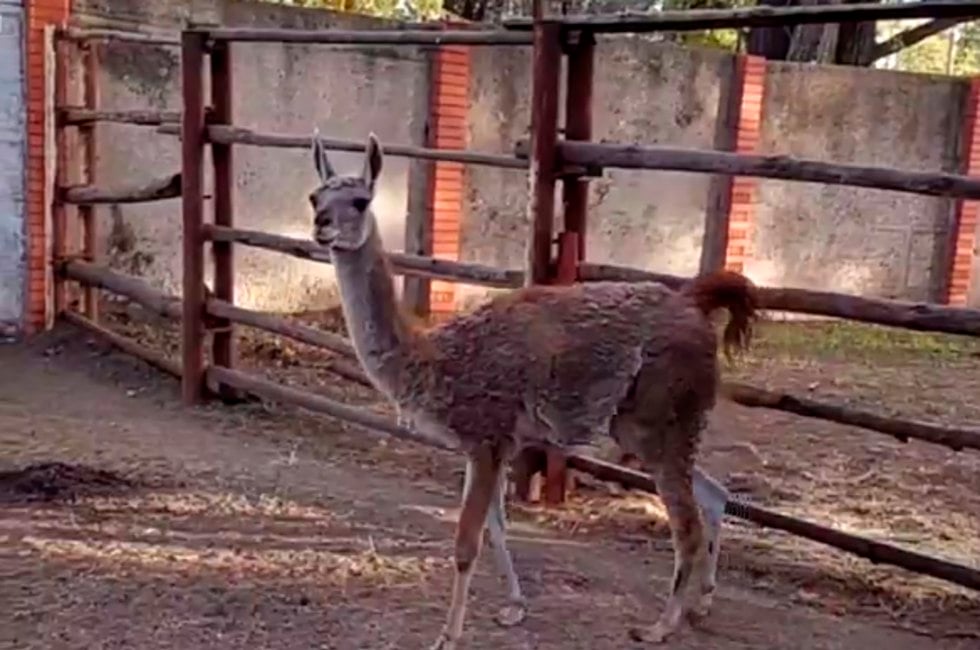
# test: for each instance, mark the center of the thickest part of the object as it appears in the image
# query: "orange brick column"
(751, 73)
(40, 14)
(960, 279)
(450, 106)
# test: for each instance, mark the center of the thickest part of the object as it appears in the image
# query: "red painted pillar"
(450, 108)
(751, 71)
(964, 236)
(40, 14)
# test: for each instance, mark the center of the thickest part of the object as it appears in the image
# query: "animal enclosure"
(207, 120)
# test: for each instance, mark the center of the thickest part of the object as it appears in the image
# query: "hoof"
(444, 642)
(700, 609)
(512, 614)
(658, 633)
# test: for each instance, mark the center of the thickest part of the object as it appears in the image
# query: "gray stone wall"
(13, 145)
(856, 240)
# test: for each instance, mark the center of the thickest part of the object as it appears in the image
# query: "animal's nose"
(322, 219)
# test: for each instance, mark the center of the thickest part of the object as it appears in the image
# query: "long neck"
(379, 330)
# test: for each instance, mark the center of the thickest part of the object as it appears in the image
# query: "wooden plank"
(238, 135)
(363, 417)
(876, 552)
(956, 438)
(134, 288)
(192, 172)
(764, 166)
(922, 317)
(79, 116)
(403, 263)
(127, 345)
(159, 189)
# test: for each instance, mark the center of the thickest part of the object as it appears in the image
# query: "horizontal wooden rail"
(156, 190)
(237, 135)
(702, 19)
(361, 416)
(876, 552)
(74, 116)
(368, 37)
(923, 317)
(134, 288)
(77, 34)
(403, 263)
(953, 437)
(127, 345)
(279, 325)
(956, 438)
(628, 156)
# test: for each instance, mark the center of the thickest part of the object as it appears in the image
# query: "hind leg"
(687, 532)
(669, 452)
(712, 498)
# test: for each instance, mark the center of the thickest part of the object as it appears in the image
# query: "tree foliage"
(921, 47)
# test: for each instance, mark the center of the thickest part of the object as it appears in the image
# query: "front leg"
(483, 477)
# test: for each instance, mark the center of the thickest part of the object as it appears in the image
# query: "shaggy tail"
(734, 292)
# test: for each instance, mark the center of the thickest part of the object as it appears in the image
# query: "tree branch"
(910, 37)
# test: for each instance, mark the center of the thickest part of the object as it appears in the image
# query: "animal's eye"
(360, 204)
(313, 199)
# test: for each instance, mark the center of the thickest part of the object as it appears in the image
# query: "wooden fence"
(572, 161)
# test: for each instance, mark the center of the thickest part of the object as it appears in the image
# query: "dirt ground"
(261, 526)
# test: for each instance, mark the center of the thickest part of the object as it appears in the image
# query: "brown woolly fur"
(731, 291)
(543, 365)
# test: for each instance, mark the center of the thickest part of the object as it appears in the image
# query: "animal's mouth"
(325, 236)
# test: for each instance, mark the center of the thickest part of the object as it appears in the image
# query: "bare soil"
(128, 521)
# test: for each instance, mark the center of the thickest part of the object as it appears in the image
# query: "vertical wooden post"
(224, 170)
(575, 201)
(192, 177)
(578, 126)
(421, 184)
(543, 174)
(544, 136)
(714, 243)
(59, 211)
(86, 213)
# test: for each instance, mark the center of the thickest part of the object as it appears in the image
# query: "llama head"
(342, 216)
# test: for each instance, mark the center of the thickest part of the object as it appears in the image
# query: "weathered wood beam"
(127, 345)
(626, 156)
(239, 135)
(75, 115)
(134, 288)
(403, 263)
(156, 190)
(922, 317)
(956, 438)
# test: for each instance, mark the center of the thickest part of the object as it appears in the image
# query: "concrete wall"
(847, 239)
(12, 156)
(644, 92)
(281, 89)
(856, 240)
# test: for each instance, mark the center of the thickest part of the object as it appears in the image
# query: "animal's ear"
(373, 157)
(323, 167)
